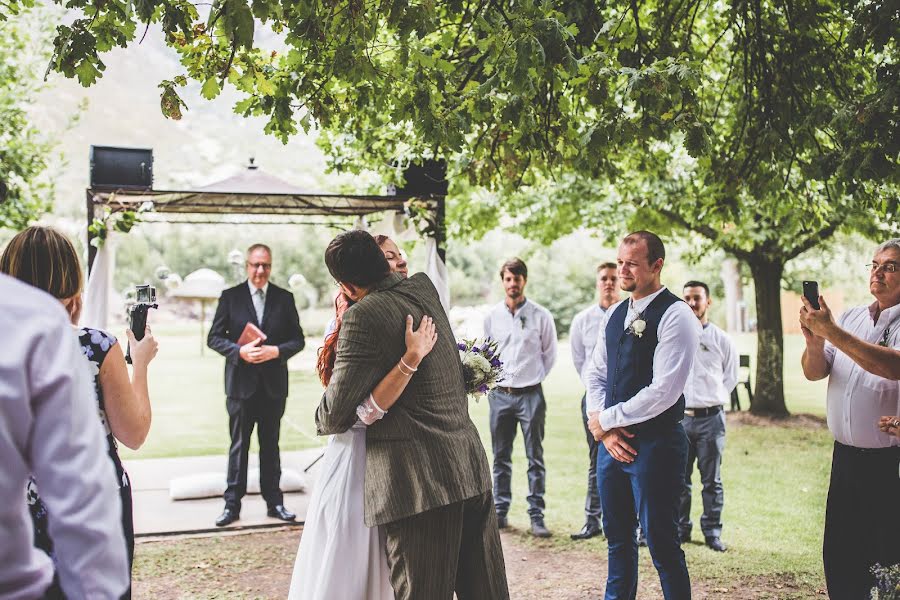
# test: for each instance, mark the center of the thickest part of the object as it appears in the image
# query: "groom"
(635, 404)
(427, 478)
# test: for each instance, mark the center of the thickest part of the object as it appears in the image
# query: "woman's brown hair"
(45, 258)
(328, 351)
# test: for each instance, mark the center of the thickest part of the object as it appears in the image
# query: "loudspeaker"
(121, 168)
(426, 177)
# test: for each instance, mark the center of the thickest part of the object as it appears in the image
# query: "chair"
(743, 363)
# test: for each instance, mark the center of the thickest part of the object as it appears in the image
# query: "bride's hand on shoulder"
(419, 342)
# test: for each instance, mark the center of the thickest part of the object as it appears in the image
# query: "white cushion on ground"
(212, 485)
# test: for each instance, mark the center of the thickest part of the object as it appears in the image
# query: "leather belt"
(515, 391)
(702, 412)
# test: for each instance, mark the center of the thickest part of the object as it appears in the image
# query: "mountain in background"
(208, 144)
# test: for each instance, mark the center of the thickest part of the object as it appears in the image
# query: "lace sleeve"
(369, 412)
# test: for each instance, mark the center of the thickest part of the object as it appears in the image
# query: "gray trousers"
(706, 444)
(507, 413)
(451, 548)
(592, 511)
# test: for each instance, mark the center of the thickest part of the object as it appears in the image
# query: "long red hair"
(328, 351)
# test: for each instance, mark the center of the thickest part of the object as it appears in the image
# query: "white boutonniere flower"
(638, 326)
(522, 321)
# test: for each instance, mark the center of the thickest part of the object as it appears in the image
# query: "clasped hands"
(254, 353)
(613, 440)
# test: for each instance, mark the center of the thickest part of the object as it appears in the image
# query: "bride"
(339, 557)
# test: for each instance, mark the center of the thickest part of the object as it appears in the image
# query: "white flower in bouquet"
(479, 363)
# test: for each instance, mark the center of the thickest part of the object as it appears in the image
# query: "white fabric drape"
(437, 271)
(96, 295)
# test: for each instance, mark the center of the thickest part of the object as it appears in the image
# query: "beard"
(628, 286)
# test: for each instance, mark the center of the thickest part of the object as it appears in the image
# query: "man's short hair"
(606, 265)
(693, 283)
(655, 248)
(516, 266)
(256, 247)
(892, 244)
(354, 257)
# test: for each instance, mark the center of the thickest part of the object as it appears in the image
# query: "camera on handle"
(145, 299)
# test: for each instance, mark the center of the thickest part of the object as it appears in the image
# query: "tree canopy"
(24, 151)
(759, 126)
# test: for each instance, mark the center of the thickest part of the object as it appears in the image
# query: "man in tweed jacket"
(427, 477)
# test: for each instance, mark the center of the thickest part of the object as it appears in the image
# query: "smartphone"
(811, 292)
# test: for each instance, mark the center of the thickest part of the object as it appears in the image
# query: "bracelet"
(407, 366)
(402, 371)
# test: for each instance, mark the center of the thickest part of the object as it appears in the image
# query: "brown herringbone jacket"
(425, 452)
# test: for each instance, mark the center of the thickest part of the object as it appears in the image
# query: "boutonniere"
(884, 338)
(637, 326)
(703, 347)
(522, 321)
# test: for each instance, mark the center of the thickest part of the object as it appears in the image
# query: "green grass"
(775, 477)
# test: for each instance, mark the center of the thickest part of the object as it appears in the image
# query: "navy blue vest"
(629, 360)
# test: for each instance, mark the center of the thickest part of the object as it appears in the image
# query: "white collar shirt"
(49, 428)
(253, 288)
(526, 341)
(857, 398)
(583, 334)
(714, 372)
(679, 336)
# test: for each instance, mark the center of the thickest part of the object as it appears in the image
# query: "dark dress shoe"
(684, 537)
(587, 532)
(538, 529)
(227, 517)
(280, 512)
(716, 544)
(502, 522)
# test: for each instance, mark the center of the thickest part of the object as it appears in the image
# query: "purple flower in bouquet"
(481, 365)
(483, 388)
(462, 347)
(495, 362)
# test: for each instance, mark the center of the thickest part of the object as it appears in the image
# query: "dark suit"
(256, 393)
(427, 478)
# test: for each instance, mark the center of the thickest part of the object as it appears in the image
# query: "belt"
(516, 391)
(703, 412)
(887, 451)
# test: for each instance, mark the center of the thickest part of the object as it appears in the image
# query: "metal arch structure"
(253, 193)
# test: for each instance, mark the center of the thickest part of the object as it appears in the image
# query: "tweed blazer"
(425, 452)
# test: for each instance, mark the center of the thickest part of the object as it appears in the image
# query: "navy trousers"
(648, 490)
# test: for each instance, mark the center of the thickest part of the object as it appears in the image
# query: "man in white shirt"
(635, 380)
(49, 428)
(858, 354)
(582, 338)
(526, 337)
(708, 387)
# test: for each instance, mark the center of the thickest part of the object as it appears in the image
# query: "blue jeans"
(649, 490)
(507, 411)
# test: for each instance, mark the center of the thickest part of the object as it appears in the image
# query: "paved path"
(155, 513)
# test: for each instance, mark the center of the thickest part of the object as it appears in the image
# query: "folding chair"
(744, 370)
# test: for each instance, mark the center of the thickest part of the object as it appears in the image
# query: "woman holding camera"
(45, 258)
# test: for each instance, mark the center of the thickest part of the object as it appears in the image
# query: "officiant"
(256, 377)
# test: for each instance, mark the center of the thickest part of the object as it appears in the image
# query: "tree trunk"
(768, 398)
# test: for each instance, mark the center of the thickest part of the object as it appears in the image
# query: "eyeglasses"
(264, 266)
(887, 267)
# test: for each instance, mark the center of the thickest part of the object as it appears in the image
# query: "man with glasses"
(256, 378)
(860, 355)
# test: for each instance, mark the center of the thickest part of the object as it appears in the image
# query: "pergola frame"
(197, 204)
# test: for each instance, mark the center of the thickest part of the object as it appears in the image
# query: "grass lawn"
(775, 475)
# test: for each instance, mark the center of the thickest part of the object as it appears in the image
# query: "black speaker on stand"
(115, 168)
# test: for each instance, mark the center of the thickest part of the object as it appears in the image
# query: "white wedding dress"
(339, 557)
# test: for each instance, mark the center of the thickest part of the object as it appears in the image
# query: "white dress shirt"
(49, 428)
(856, 398)
(678, 334)
(715, 370)
(583, 335)
(526, 341)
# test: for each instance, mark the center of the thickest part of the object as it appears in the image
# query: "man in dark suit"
(427, 479)
(256, 378)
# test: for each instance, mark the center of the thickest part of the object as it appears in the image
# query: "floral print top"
(95, 345)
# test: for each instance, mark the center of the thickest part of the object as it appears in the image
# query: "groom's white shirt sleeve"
(679, 336)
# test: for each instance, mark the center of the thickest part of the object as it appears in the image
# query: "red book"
(251, 332)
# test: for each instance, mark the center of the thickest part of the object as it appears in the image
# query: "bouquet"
(482, 368)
